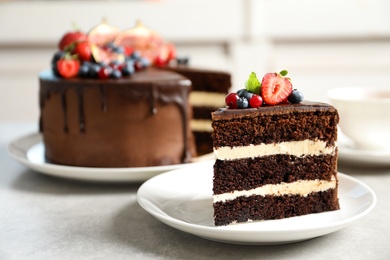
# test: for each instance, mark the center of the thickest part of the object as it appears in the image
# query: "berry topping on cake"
(231, 100)
(295, 97)
(68, 66)
(104, 72)
(129, 50)
(83, 50)
(245, 93)
(255, 101)
(91, 54)
(70, 38)
(242, 102)
(274, 89)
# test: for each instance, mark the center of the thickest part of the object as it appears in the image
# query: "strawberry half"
(275, 88)
(68, 67)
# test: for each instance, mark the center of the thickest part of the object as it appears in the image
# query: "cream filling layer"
(201, 125)
(207, 99)
(296, 148)
(300, 187)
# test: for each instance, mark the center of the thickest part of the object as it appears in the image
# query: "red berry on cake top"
(231, 100)
(256, 101)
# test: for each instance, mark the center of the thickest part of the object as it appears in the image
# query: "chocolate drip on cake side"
(166, 95)
(103, 94)
(47, 90)
(181, 100)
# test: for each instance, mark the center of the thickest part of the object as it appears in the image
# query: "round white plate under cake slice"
(183, 199)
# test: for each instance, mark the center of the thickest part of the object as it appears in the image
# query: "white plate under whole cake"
(30, 151)
(183, 199)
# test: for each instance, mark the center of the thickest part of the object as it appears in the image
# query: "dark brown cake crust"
(274, 124)
(246, 174)
(254, 207)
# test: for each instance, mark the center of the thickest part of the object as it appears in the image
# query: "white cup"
(364, 115)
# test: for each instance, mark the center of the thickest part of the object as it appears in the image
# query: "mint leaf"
(253, 84)
(283, 73)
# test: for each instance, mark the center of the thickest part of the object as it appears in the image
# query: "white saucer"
(183, 199)
(349, 153)
(29, 150)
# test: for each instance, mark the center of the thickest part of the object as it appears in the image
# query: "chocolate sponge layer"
(251, 173)
(243, 209)
(274, 124)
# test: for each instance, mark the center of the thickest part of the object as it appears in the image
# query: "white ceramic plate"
(183, 199)
(29, 150)
(349, 153)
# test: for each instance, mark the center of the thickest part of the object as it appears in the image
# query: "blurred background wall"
(323, 43)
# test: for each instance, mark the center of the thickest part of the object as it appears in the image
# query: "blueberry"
(118, 49)
(182, 60)
(58, 55)
(111, 46)
(128, 69)
(145, 62)
(136, 55)
(242, 102)
(94, 70)
(55, 70)
(116, 74)
(84, 70)
(244, 93)
(295, 97)
(115, 63)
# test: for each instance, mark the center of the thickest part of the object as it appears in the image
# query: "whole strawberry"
(275, 88)
(71, 37)
(83, 51)
(68, 66)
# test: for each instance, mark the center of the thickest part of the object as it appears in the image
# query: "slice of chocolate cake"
(209, 88)
(274, 162)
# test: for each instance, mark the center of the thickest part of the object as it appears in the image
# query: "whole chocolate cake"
(274, 161)
(127, 122)
(112, 99)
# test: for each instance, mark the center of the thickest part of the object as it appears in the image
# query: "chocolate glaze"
(274, 124)
(305, 106)
(152, 86)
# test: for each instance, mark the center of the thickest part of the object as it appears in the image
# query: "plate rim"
(335, 225)
(19, 147)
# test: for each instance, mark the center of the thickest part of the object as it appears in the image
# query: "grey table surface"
(44, 217)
